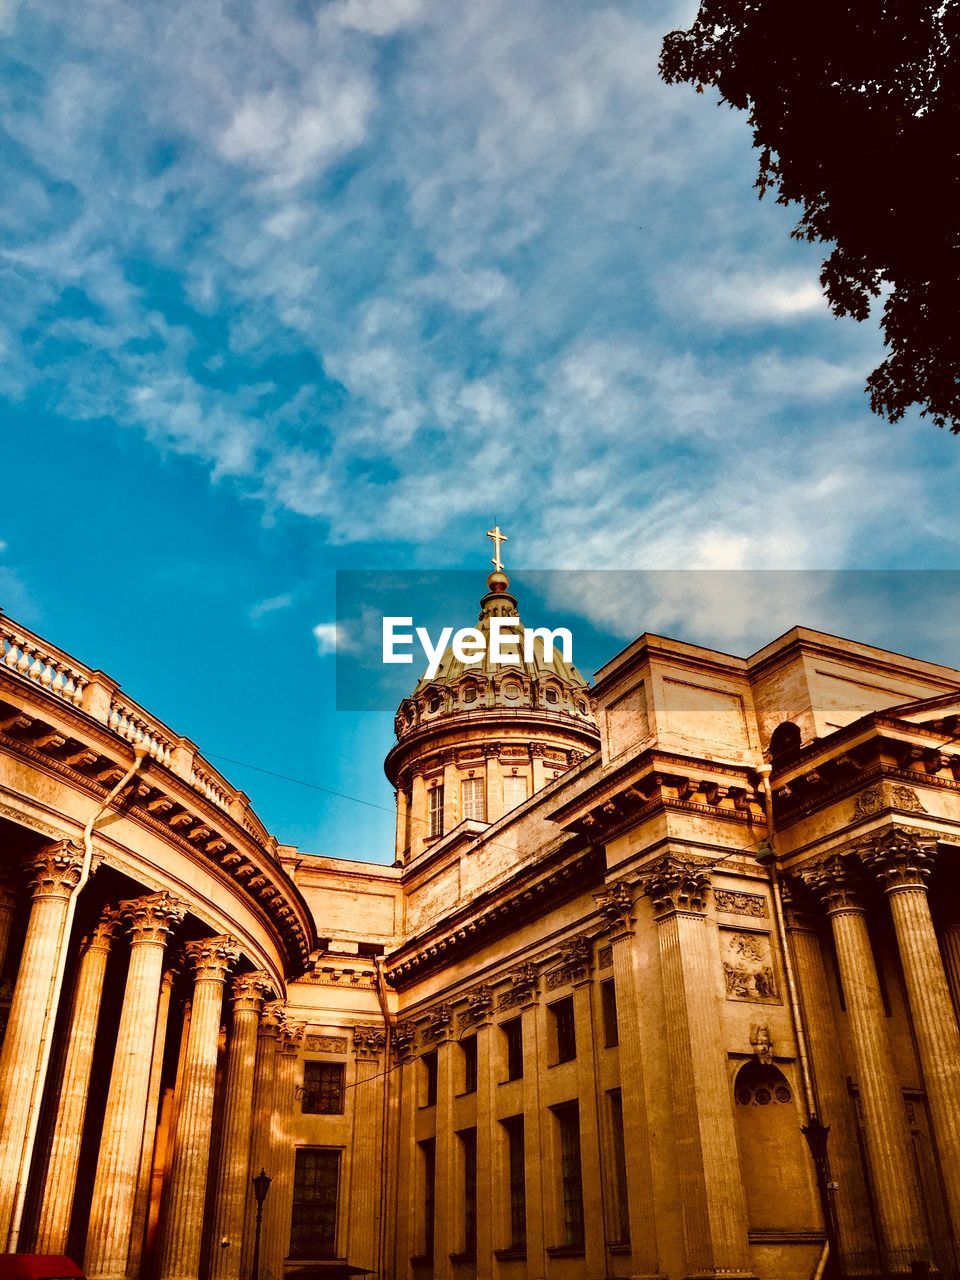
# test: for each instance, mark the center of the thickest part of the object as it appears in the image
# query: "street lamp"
(261, 1185)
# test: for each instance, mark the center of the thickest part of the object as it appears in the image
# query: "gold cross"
(497, 537)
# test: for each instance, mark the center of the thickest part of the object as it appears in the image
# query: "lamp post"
(261, 1185)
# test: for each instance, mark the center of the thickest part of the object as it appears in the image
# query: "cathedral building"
(662, 980)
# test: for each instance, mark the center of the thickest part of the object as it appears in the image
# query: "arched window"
(784, 740)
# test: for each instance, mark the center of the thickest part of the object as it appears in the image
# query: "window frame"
(319, 1066)
(564, 1030)
(312, 1201)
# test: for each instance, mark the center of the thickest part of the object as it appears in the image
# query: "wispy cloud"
(390, 263)
(274, 604)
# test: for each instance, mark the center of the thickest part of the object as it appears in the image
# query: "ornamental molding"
(331, 975)
(325, 1044)
(212, 958)
(523, 979)
(152, 918)
(900, 858)
(54, 872)
(736, 902)
(35, 824)
(404, 1039)
(438, 1023)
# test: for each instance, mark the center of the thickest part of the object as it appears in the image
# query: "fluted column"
(247, 994)
(616, 904)
(881, 1098)
(150, 920)
(211, 959)
(950, 945)
(145, 1177)
(835, 1106)
(368, 1152)
(903, 862)
(532, 1022)
(262, 1144)
(713, 1208)
(289, 1036)
(53, 876)
(60, 1181)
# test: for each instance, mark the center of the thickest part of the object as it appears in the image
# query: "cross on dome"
(498, 538)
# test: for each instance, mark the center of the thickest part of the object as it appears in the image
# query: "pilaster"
(713, 1209)
(369, 1146)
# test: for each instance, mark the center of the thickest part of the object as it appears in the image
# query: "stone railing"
(33, 660)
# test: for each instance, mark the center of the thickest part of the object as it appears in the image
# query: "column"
(210, 958)
(713, 1209)
(532, 1017)
(150, 920)
(616, 904)
(447, 1233)
(491, 1204)
(494, 784)
(451, 793)
(538, 767)
(419, 814)
(53, 875)
(401, 837)
(594, 1234)
(8, 907)
(886, 1136)
(903, 862)
(261, 1145)
(145, 1177)
(369, 1148)
(280, 1200)
(950, 945)
(60, 1182)
(247, 994)
(835, 1106)
(408, 1240)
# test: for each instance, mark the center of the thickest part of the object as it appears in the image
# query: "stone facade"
(576, 1038)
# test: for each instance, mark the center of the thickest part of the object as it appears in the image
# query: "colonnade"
(201, 1169)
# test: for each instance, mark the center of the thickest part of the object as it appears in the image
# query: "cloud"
(391, 265)
(274, 604)
(327, 637)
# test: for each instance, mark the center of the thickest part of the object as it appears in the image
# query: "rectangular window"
(468, 1048)
(429, 1064)
(513, 1035)
(514, 792)
(568, 1124)
(322, 1089)
(436, 811)
(468, 1151)
(473, 799)
(316, 1182)
(608, 1001)
(615, 1102)
(518, 1185)
(564, 1031)
(428, 1168)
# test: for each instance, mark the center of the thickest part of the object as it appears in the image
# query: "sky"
(293, 287)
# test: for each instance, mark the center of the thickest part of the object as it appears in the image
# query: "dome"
(478, 739)
(547, 684)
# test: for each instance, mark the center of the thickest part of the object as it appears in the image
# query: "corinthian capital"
(289, 1037)
(249, 990)
(212, 958)
(678, 884)
(900, 858)
(54, 872)
(837, 882)
(151, 918)
(101, 936)
(615, 903)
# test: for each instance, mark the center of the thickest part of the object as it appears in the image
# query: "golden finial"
(498, 538)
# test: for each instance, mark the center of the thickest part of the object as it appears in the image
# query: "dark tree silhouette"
(855, 109)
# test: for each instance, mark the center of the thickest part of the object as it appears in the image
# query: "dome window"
(511, 691)
(434, 703)
(468, 693)
(552, 695)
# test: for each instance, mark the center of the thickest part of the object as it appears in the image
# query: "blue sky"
(295, 286)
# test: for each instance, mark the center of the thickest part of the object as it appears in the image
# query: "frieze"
(368, 1041)
(332, 976)
(479, 1004)
(325, 1044)
(35, 824)
(438, 1022)
(605, 956)
(882, 796)
(741, 904)
(748, 967)
(523, 985)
